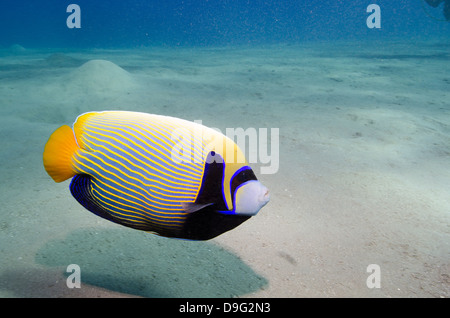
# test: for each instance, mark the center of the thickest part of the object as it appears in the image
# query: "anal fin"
(80, 187)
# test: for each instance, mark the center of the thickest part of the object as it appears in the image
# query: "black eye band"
(242, 175)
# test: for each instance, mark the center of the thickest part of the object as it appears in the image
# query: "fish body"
(155, 173)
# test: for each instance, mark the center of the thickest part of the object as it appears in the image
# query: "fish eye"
(243, 175)
(246, 175)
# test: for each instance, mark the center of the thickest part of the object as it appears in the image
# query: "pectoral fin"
(194, 207)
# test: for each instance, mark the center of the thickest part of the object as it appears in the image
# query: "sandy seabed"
(363, 178)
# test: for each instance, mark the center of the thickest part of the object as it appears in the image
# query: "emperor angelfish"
(155, 173)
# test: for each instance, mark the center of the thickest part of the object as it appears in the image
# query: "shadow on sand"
(142, 264)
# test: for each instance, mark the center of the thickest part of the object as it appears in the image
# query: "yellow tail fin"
(58, 154)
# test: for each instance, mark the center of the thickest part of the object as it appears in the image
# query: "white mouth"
(251, 197)
(265, 198)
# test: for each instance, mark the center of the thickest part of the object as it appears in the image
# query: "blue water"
(212, 22)
(364, 147)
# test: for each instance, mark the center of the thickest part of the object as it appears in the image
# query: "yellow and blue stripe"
(132, 174)
(123, 170)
